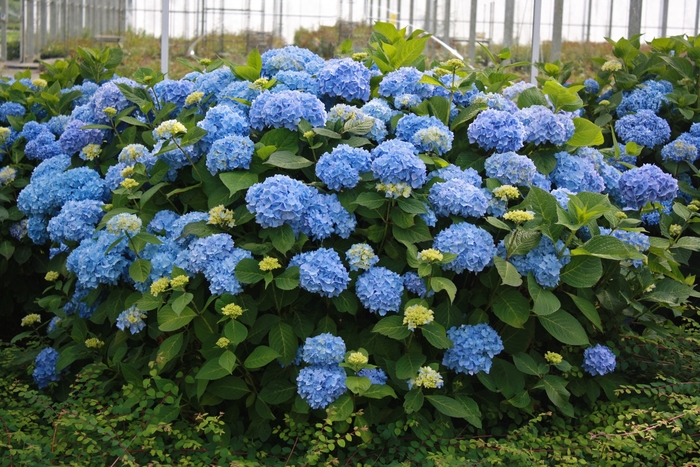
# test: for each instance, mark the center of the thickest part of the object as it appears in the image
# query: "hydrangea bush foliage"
(368, 235)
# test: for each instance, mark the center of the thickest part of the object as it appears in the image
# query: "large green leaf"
(169, 321)
(436, 335)
(511, 307)
(408, 365)
(586, 133)
(278, 391)
(442, 283)
(473, 415)
(509, 275)
(229, 388)
(287, 160)
(588, 309)
(260, 356)
(289, 279)
(448, 406)
(283, 341)
(248, 271)
(393, 327)
(607, 247)
(169, 349)
(341, 409)
(212, 370)
(564, 328)
(582, 272)
(413, 400)
(238, 180)
(139, 270)
(545, 302)
(526, 364)
(283, 238)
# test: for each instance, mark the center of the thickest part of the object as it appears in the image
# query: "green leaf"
(588, 309)
(545, 207)
(283, 238)
(283, 341)
(199, 229)
(211, 371)
(413, 400)
(346, 302)
(586, 133)
(467, 114)
(506, 377)
(235, 331)
(582, 272)
(227, 360)
(379, 391)
(263, 410)
(238, 180)
(289, 279)
(287, 160)
(341, 409)
(689, 243)
(169, 349)
(228, 388)
(278, 391)
(561, 97)
(555, 388)
(416, 234)
(169, 321)
(448, 406)
(181, 302)
(607, 247)
(435, 334)
(393, 327)
(411, 206)
(358, 384)
(6, 249)
(408, 365)
(526, 364)
(509, 275)
(530, 97)
(260, 356)
(282, 138)
(248, 271)
(521, 241)
(327, 133)
(69, 355)
(473, 413)
(565, 328)
(139, 270)
(371, 200)
(442, 283)
(512, 307)
(545, 302)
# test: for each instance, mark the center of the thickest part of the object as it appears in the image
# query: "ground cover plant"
(329, 252)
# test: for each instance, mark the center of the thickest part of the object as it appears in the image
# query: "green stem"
(568, 242)
(187, 156)
(386, 224)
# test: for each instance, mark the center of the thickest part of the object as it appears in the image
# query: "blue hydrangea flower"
(643, 128)
(173, 92)
(344, 78)
(74, 138)
(57, 124)
(32, 129)
(77, 304)
(684, 148)
(296, 81)
(406, 101)
(222, 121)
(109, 95)
(396, 162)
(290, 58)
(238, 90)
(380, 290)
(341, 168)
(513, 91)
(285, 109)
(379, 108)
(646, 184)
(131, 319)
(230, 153)
(543, 261)
(591, 86)
(414, 284)
(320, 386)
(45, 367)
(14, 109)
(598, 360)
(76, 221)
(36, 229)
(87, 89)
(458, 197)
(212, 82)
(510, 169)
(324, 349)
(162, 222)
(84, 113)
(653, 217)
(43, 146)
(426, 133)
(494, 101)
(18, 230)
(576, 174)
(53, 324)
(324, 216)
(216, 257)
(278, 200)
(496, 129)
(650, 95)
(405, 80)
(543, 126)
(474, 348)
(562, 196)
(451, 171)
(361, 256)
(93, 264)
(321, 272)
(375, 375)
(473, 246)
(222, 274)
(133, 153)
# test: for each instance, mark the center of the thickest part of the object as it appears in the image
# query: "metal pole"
(29, 51)
(508, 23)
(610, 18)
(664, 18)
(426, 23)
(555, 53)
(4, 30)
(472, 32)
(697, 16)
(634, 25)
(446, 24)
(164, 36)
(22, 38)
(588, 23)
(410, 15)
(536, 23)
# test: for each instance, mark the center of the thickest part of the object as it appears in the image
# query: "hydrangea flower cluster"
(321, 271)
(543, 126)
(344, 78)
(414, 284)
(591, 86)
(513, 91)
(131, 319)
(124, 224)
(404, 81)
(426, 378)
(290, 58)
(45, 367)
(598, 360)
(473, 246)
(222, 121)
(643, 128)
(497, 129)
(474, 348)
(43, 146)
(375, 375)
(76, 221)
(379, 290)
(324, 349)
(285, 109)
(355, 118)
(296, 81)
(651, 95)
(682, 149)
(230, 153)
(450, 172)
(647, 184)
(341, 168)
(576, 174)
(93, 264)
(510, 168)
(458, 197)
(324, 381)
(543, 261)
(361, 256)
(396, 162)
(209, 83)
(216, 257)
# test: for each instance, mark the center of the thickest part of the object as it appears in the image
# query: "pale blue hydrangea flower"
(474, 348)
(286, 109)
(45, 367)
(396, 162)
(684, 148)
(414, 284)
(497, 129)
(290, 58)
(131, 319)
(32, 129)
(133, 153)
(375, 375)
(341, 168)
(450, 172)
(562, 196)
(344, 78)
(174, 92)
(296, 81)
(76, 221)
(647, 184)
(494, 101)
(324, 349)
(510, 168)
(212, 82)
(543, 126)
(576, 174)
(93, 264)
(323, 216)
(74, 138)
(379, 108)
(426, 133)
(405, 80)
(543, 261)
(321, 272)
(320, 386)
(591, 86)
(109, 95)
(513, 91)
(406, 101)
(43, 146)
(278, 200)
(238, 90)
(124, 224)
(473, 246)
(361, 256)
(14, 109)
(653, 217)
(598, 360)
(380, 290)
(650, 95)
(222, 121)
(643, 128)
(459, 198)
(230, 153)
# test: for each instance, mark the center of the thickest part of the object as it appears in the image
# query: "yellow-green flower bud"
(94, 343)
(159, 286)
(232, 310)
(359, 56)
(357, 358)
(219, 215)
(223, 342)
(430, 255)
(553, 358)
(427, 378)
(518, 216)
(39, 83)
(506, 192)
(194, 98)
(417, 315)
(110, 111)
(51, 276)
(30, 319)
(269, 264)
(129, 183)
(675, 230)
(179, 281)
